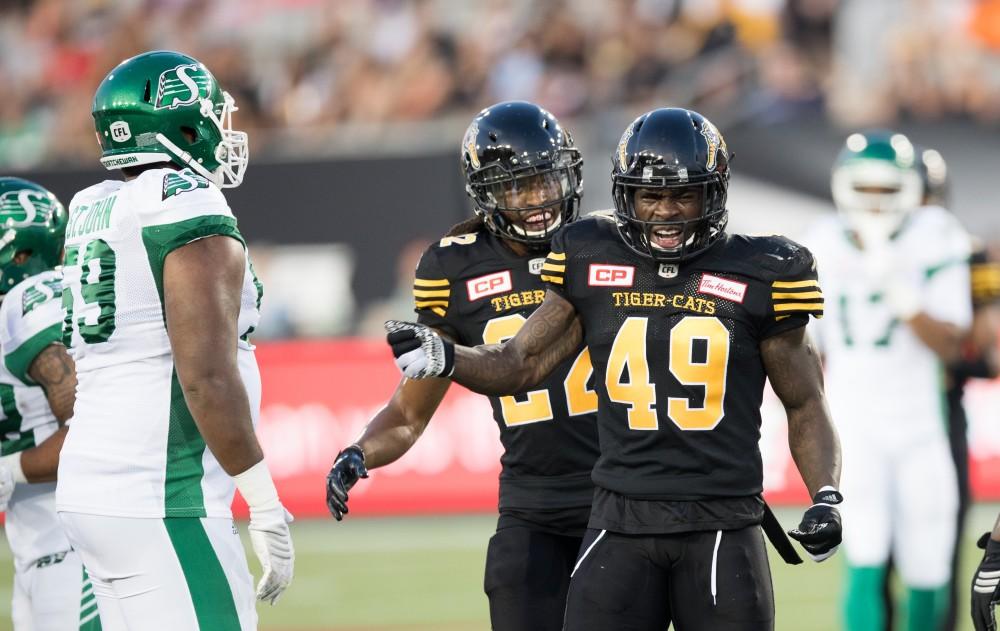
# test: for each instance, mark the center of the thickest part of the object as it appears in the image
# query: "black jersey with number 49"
(475, 289)
(676, 354)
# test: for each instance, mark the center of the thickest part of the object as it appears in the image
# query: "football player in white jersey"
(37, 382)
(896, 276)
(160, 298)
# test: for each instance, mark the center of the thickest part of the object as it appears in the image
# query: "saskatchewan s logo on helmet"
(182, 85)
(22, 208)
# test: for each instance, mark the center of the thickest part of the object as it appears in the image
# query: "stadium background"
(355, 111)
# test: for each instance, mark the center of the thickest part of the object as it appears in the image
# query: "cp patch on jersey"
(495, 283)
(600, 275)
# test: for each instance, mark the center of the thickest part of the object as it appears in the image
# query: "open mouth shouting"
(667, 237)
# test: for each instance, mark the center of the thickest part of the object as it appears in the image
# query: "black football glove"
(986, 586)
(419, 351)
(819, 531)
(347, 469)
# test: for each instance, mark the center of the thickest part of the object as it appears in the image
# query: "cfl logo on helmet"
(496, 283)
(600, 275)
(120, 131)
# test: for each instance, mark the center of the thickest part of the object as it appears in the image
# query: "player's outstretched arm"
(793, 366)
(53, 369)
(548, 337)
(202, 284)
(389, 435)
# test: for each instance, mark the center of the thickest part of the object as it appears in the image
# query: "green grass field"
(425, 574)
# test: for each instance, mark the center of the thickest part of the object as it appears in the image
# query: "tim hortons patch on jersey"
(495, 283)
(601, 275)
(722, 287)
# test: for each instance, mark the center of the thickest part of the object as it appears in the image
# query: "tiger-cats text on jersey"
(476, 290)
(678, 368)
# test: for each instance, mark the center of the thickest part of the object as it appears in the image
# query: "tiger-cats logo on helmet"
(715, 142)
(182, 85)
(622, 144)
(469, 144)
(21, 208)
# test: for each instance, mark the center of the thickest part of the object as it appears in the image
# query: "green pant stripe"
(89, 618)
(211, 595)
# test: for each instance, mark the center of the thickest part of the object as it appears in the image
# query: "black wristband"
(449, 358)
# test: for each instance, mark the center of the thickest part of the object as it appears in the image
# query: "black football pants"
(699, 581)
(527, 575)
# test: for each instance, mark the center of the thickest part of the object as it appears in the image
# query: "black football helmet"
(671, 148)
(511, 148)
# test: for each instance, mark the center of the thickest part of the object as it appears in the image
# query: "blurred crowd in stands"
(295, 66)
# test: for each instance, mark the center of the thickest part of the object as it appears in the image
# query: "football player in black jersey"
(478, 285)
(684, 323)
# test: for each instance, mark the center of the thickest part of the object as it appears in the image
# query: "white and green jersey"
(133, 449)
(30, 319)
(881, 380)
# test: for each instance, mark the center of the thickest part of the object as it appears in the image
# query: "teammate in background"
(898, 275)
(977, 360)
(479, 284)
(159, 299)
(37, 387)
(684, 323)
(986, 582)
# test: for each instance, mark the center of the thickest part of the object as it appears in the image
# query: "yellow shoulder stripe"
(557, 256)
(431, 282)
(558, 280)
(794, 284)
(803, 295)
(552, 267)
(439, 311)
(423, 304)
(799, 306)
(435, 293)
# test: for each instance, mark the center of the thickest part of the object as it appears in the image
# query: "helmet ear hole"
(146, 95)
(190, 134)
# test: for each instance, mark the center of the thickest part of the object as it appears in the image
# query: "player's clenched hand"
(420, 352)
(272, 543)
(986, 586)
(347, 469)
(819, 531)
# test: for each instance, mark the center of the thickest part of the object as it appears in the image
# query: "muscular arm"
(54, 371)
(793, 366)
(397, 426)
(548, 337)
(202, 282)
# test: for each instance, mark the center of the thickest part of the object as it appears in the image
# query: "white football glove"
(269, 534)
(272, 543)
(900, 289)
(420, 351)
(7, 485)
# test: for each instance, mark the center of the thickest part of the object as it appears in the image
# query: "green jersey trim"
(163, 239)
(211, 595)
(930, 272)
(185, 448)
(90, 619)
(19, 360)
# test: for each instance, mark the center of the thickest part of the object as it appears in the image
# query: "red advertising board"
(319, 395)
